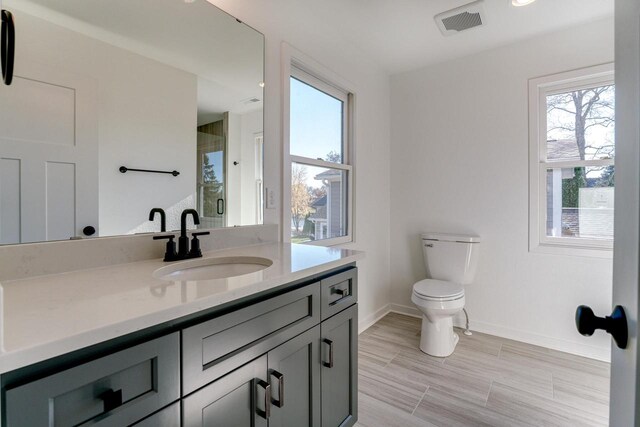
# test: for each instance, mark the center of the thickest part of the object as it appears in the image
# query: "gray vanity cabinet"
(294, 376)
(239, 399)
(340, 369)
(288, 359)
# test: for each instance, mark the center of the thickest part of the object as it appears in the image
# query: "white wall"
(459, 163)
(275, 20)
(147, 116)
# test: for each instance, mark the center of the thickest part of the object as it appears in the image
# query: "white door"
(625, 379)
(48, 155)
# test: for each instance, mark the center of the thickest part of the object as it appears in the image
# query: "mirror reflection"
(125, 112)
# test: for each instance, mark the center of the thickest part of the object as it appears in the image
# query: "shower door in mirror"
(211, 175)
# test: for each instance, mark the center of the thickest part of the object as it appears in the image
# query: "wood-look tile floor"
(487, 381)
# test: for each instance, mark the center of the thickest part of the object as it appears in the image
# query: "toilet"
(451, 261)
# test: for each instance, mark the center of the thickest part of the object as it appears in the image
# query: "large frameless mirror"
(122, 106)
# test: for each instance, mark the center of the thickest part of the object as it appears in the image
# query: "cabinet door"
(339, 353)
(235, 400)
(294, 376)
(168, 417)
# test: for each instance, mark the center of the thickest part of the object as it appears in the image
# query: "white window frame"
(298, 65)
(258, 138)
(539, 89)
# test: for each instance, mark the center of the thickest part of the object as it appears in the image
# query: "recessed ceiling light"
(521, 2)
(261, 84)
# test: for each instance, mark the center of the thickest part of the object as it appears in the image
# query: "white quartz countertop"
(48, 316)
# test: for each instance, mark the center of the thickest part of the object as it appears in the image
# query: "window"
(259, 174)
(319, 161)
(572, 152)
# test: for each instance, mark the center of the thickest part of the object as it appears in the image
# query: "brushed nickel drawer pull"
(330, 343)
(279, 403)
(267, 400)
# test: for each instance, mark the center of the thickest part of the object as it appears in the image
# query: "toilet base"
(438, 339)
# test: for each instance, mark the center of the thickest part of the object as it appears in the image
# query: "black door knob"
(89, 230)
(616, 324)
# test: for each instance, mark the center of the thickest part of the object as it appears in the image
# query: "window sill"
(572, 250)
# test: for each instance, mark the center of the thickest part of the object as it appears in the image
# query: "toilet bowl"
(451, 261)
(439, 301)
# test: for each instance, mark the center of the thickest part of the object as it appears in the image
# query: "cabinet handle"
(330, 343)
(342, 292)
(111, 399)
(279, 403)
(267, 400)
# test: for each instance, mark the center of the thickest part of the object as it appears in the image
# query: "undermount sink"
(212, 268)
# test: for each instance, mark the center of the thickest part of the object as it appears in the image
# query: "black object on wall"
(125, 169)
(7, 46)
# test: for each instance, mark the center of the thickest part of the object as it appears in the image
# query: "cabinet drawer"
(115, 390)
(213, 348)
(339, 292)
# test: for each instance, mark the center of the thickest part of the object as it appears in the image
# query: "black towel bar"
(125, 169)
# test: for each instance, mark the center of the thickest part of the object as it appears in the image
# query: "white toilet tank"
(451, 257)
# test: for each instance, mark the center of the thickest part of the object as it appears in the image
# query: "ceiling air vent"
(461, 18)
(249, 101)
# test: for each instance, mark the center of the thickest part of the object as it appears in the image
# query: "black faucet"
(163, 218)
(183, 241)
(184, 252)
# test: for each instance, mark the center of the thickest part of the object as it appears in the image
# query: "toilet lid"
(430, 288)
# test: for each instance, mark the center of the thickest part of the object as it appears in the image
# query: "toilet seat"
(438, 290)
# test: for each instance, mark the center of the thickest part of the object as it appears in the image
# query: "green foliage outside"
(571, 187)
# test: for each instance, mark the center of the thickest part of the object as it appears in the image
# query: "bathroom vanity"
(262, 348)
(120, 120)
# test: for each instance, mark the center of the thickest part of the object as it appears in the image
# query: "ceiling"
(401, 35)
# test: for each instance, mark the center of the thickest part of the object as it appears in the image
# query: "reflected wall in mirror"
(161, 85)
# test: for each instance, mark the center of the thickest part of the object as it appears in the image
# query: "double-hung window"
(572, 168)
(319, 161)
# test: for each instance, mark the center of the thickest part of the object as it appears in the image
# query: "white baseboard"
(370, 320)
(403, 309)
(572, 347)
